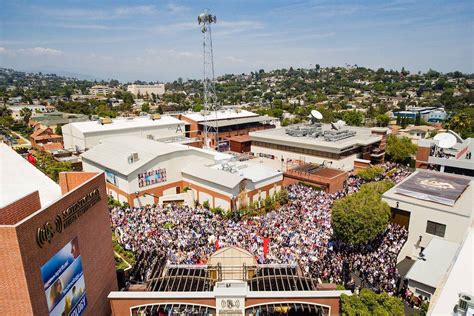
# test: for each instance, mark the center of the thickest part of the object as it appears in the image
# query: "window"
(436, 229)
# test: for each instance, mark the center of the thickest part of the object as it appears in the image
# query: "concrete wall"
(346, 164)
(456, 226)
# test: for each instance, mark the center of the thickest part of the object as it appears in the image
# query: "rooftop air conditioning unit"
(155, 117)
(105, 120)
(465, 304)
(150, 136)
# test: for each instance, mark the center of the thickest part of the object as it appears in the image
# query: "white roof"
(438, 254)
(125, 123)
(362, 137)
(243, 170)
(19, 178)
(113, 153)
(220, 115)
(255, 172)
(224, 178)
(459, 280)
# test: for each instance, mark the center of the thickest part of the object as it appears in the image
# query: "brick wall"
(422, 155)
(70, 180)
(20, 209)
(14, 296)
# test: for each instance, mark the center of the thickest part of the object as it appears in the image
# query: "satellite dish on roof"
(341, 123)
(445, 140)
(316, 114)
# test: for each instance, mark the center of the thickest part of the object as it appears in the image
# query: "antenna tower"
(205, 19)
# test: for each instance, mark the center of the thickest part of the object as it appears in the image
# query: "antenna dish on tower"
(316, 114)
(445, 140)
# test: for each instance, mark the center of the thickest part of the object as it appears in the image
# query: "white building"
(100, 90)
(143, 89)
(458, 280)
(35, 109)
(430, 204)
(140, 171)
(80, 136)
(427, 272)
(299, 142)
(437, 209)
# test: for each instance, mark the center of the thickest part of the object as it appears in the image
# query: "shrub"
(283, 197)
(371, 173)
(206, 205)
(370, 303)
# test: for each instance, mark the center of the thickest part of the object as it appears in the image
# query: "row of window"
(299, 150)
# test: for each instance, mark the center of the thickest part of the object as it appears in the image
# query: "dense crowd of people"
(299, 232)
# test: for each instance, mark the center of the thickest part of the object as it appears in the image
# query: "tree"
(6, 118)
(400, 149)
(160, 109)
(58, 130)
(26, 114)
(198, 107)
(418, 119)
(360, 217)
(353, 118)
(382, 120)
(371, 173)
(145, 107)
(370, 303)
(460, 123)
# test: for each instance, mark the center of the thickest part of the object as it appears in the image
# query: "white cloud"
(3, 50)
(233, 59)
(112, 13)
(176, 8)
(37, 51)
(135, 10)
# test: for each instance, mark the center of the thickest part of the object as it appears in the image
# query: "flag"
(217, 245)
(266, 242)
(31, 159)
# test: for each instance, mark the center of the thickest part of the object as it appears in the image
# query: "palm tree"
(459, 123)
(26, 114)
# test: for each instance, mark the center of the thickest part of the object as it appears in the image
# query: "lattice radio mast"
(205, 19)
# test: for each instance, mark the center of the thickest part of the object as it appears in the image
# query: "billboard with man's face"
(151, 177)
(63, 281)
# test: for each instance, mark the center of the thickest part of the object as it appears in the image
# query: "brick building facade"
(31, 235)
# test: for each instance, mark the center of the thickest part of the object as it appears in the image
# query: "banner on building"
(63, 281)
(111, 177)
(151, 177)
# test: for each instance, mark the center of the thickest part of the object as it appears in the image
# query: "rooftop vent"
(133, 158)
(105, 120)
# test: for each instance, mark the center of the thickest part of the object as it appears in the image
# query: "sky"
(162, 41)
